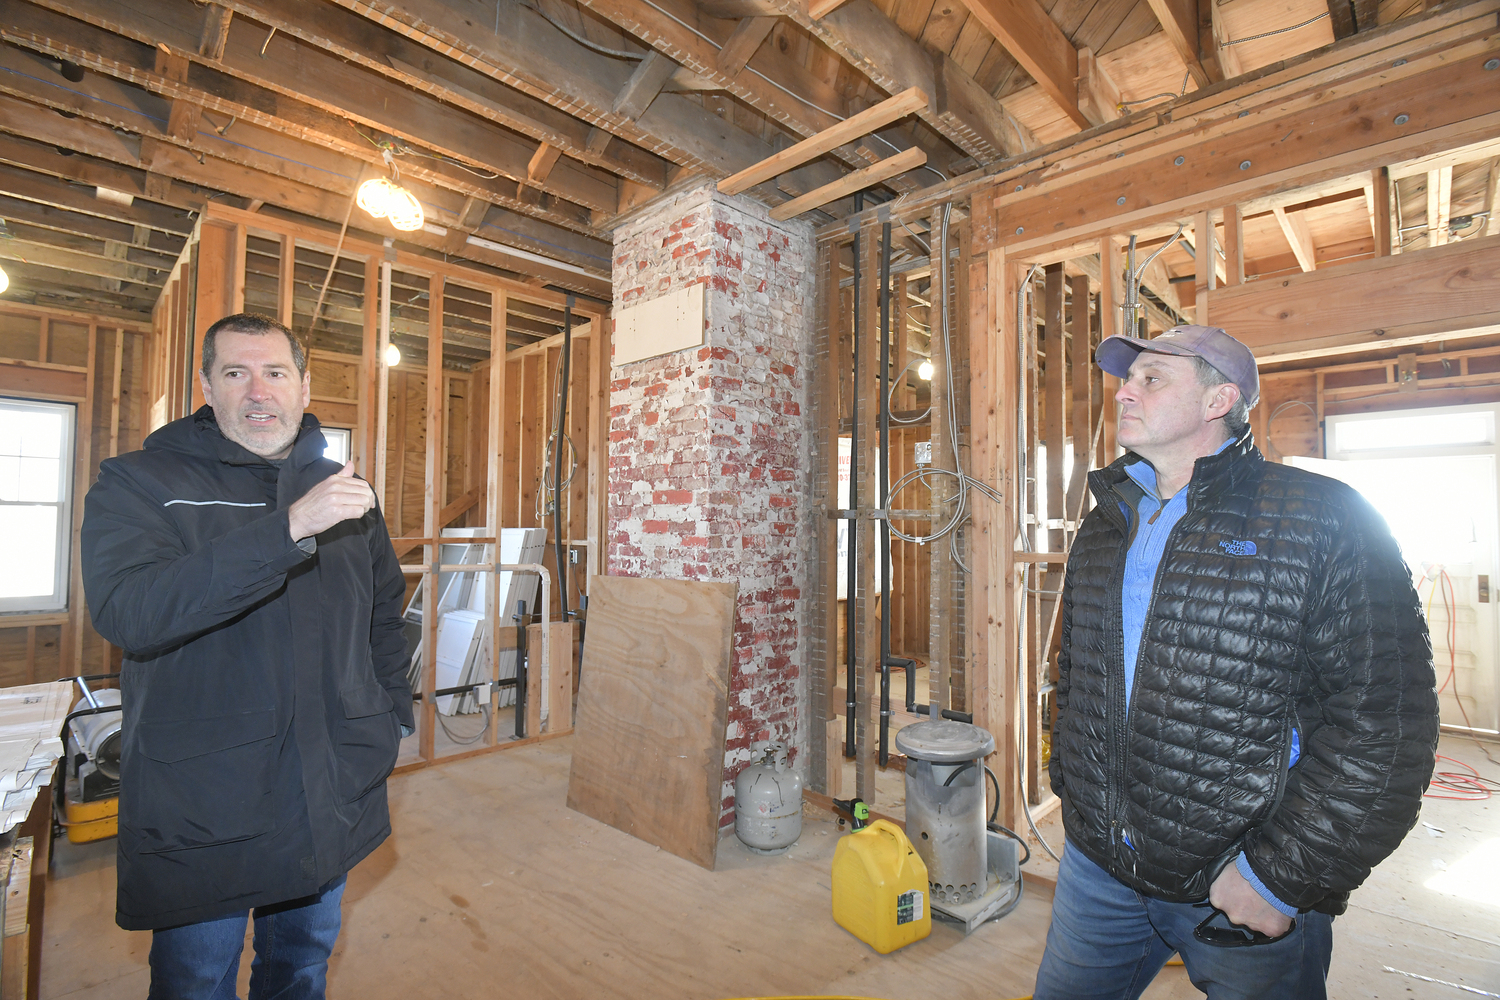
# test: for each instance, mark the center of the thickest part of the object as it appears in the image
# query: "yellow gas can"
(880, 888)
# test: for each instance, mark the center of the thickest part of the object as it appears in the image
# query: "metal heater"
(974, 874)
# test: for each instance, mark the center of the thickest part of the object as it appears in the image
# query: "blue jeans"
(292, 943)
(1107, 942)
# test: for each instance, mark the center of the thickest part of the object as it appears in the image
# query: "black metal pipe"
(504, 682)
(882, 466)
(851, 560)
(557, 457)
(948, 713)
(521, 671)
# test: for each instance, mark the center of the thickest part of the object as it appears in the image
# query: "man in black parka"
(252, 586)
(1246, 714)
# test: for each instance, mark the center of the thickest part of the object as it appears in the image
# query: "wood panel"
(648, 756)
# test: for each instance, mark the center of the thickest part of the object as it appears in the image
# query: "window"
(36, 503)
(338, 439)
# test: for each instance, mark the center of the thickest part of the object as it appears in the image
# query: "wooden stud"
(286, 281)
(1054, 402)
(1440, 196)
(83, 439)
(1234, 245)
(115, 392)
(1379, 193)
(828, 407)
(1111, 296)
(494, 465)
(939, 562)
(1203, 254)
(431, 528)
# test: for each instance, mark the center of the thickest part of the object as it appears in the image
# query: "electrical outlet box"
(573, 556)
(924, 452)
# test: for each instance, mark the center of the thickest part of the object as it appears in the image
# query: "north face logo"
(1235, 547)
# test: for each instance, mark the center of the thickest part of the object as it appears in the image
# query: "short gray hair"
(256, 325)
(1237, 420)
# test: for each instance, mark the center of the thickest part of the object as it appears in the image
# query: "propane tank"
(768, 801)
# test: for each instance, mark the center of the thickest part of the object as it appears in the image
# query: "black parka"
(1281, 600)
(264, 682)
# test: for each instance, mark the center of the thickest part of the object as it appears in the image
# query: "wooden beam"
(1491, 198)
(1378, 302)
(1294, 228)
(1036, 42)
(1341, 16)
(851, 182)
(643, 86)
(819, 9)
(215, 31)
(747, 37)
(1179, 22)
(1367, 14)
(1328, 132)
(889, 110)
(542, 162)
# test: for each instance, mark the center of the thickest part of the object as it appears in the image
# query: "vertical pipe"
(559, 436)
(883, 471)
(851, 651)
(885, 489)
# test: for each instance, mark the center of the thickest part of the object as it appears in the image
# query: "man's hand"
(1240, 902)
(338, 498)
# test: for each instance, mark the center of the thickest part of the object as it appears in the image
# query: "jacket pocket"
(204, 781)
(369, 738)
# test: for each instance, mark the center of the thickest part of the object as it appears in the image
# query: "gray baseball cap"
(1116, 354)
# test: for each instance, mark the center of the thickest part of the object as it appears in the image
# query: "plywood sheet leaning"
(648, 757)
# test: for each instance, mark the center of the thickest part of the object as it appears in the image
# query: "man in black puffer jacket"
(255, 593)
(1246, 713)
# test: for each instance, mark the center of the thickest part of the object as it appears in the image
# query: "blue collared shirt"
(1154, 520)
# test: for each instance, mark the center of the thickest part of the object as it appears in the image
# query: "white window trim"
(62, 575)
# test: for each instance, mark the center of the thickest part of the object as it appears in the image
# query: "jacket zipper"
(1118, 724)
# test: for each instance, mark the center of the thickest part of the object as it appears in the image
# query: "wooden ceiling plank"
(1179, 21)
(1038, 44)
(49, 255)
(963, 112)
(819, 9)
(358, 40)
(84, 243)
(856, 180)
(887, 111)
(52, 191)
(105, 51)
(91, 227)
(741, 45)
(525, 51)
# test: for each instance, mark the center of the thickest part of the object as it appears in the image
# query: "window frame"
(59, 599)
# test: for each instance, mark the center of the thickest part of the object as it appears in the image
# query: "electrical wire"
(484, 714)
(928, 475)
(1278, 31)
(603, 50)
(543, 506)
(892, 395)
(1450, 605)
(1285, 405)
(1467, 785)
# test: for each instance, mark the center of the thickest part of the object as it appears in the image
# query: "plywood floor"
(491, 887)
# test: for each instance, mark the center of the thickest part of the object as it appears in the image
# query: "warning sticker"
(908, 907)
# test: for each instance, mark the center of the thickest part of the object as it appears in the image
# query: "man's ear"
(306, 388)
(1222, 400)
(208, 389)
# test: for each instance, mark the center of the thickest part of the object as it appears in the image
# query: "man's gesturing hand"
(1239, 901)
(338, 498)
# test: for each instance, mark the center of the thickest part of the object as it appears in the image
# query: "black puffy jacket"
(1281, 600)
(264, 685)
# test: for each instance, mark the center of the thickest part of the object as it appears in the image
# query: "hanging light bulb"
(392, 355)
(404, 210)
(924, 371)
(4, 281)
(383, 198)
(374, 197)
